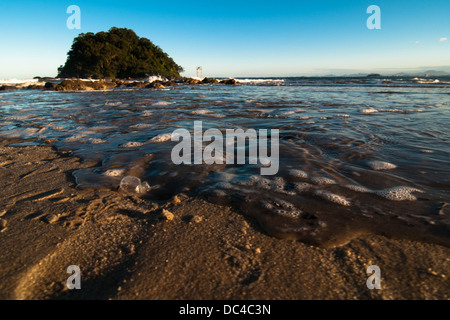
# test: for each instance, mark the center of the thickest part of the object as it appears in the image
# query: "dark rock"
(155, 85)
(4, 88)
(50, 86)
(193, 81)
(35, 87)
(209, 80)
(74, 85)
(136, 84)
(229, 81)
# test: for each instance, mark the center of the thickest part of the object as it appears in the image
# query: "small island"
(118, 53)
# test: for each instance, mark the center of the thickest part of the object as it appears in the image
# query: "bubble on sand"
(399, 193)
(332, 197)
(381, 165)
(131, 184)
(298, 173)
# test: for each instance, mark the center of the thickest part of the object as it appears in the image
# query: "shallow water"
(357, 155)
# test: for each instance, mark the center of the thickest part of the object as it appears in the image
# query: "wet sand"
(128, 247)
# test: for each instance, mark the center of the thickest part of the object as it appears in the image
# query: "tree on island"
(118, 53)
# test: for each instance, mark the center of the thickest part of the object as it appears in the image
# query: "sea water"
(357, 155)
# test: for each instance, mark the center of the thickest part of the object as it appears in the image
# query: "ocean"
(357, 155)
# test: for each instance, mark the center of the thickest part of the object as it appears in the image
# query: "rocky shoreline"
(105, 84)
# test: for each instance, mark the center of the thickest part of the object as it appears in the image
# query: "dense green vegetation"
(118, 53)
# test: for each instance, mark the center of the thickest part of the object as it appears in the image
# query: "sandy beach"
(128, 247)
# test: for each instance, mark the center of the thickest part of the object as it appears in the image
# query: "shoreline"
(130, 248)
(78, 84)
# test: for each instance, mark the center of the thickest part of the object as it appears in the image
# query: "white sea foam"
(369, 110)
(21, 82)
(17, 133)
(357, 188)
(258, 182)
(332, 197)
(398, 193)
(113, 104)
(381, 165)
(76, 137)
(132, 144)
(261, 81)
(289, 213)
(162, 103)
(298, 173)
(322, 180)
(156, 78)
(97, 140)
(301, 187)
(203, 111)
(217, 115)
(161, 138)
(140, 126)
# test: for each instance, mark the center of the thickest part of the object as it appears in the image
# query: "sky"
(238, 38)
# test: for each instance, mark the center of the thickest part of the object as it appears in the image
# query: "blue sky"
(238, 38)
